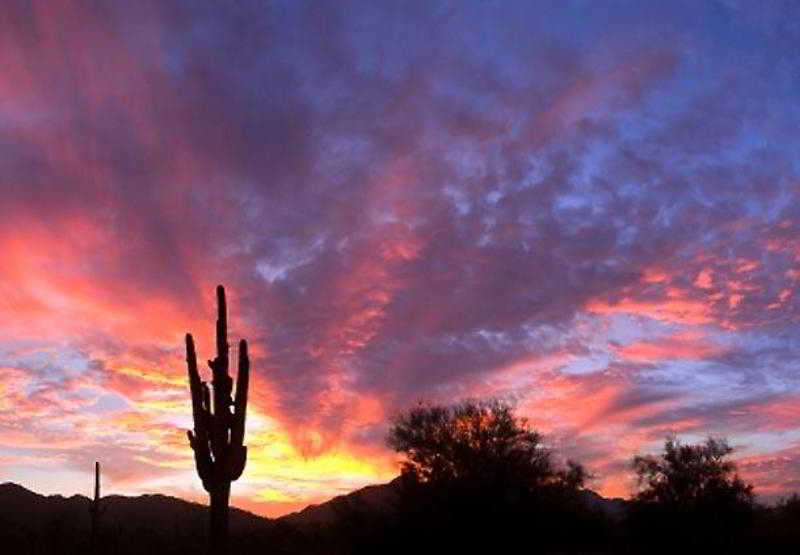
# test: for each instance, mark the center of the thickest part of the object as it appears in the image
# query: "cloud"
(681, 345)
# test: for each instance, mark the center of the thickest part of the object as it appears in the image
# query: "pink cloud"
(680, 345)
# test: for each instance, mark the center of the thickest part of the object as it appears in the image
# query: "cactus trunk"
(94, 511)
(217, 440)
(219, 518)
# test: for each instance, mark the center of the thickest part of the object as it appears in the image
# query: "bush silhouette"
(478, 477)
(472, 441)
(691, 497)
(691, 475)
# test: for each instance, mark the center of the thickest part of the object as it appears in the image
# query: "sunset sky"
(587, 208)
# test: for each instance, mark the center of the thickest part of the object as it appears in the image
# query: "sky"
(588, 209)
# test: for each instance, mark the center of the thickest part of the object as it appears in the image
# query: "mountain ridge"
(155, 523)
(372, 495)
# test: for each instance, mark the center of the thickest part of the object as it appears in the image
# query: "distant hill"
(35, 524)
(613, 508)
(379, 499)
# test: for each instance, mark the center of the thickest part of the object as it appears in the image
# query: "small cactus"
(95, 510)
(218, 434)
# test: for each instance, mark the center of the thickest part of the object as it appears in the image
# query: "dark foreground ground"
(375, 520)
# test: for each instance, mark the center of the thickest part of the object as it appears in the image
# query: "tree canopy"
(691, 499)
(475, 441)
(691, 474)
(479, 479)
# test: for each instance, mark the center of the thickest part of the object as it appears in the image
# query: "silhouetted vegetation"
(95, 510)
(475, 479)
(691, 475)
(218, 436)
(471, 442)
(692, 499)
(777, 529)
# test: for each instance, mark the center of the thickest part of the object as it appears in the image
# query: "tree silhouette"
(691, 474)
(473, 440)
(691, 497)
(477, 477)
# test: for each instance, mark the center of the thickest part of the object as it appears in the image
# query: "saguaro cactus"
(218, 433)
(95, 510)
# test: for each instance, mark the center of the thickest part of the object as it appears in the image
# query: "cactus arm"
(236, 462)
(195, 385)
(238, 455)
(200, 412)
(240, 402)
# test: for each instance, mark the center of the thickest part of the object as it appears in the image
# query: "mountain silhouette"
(381, 499)
(31, 523)
(613, 508)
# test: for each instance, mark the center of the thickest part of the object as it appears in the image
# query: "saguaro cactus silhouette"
(95, 510)
(218, 433)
